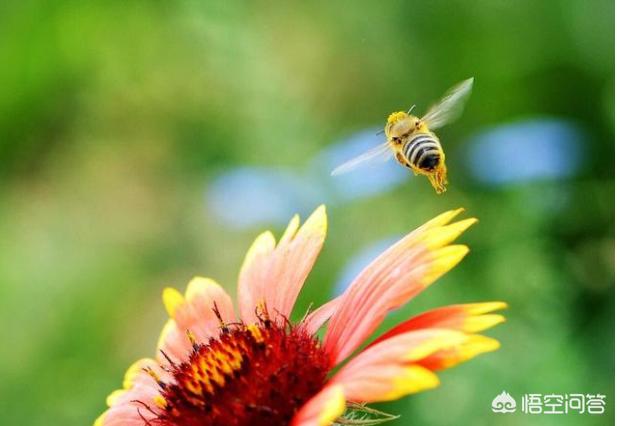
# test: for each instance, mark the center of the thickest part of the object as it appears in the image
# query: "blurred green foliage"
(114, 116)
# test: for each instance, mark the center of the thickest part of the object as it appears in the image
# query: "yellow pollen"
(223, 361)
(217, 377)
(256, 333)
(160, 401)
(194, 387)
(396, 116)
(198, 390)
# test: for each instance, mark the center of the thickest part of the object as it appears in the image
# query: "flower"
(257, 368)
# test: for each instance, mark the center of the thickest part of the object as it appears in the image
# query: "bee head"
(399, 124)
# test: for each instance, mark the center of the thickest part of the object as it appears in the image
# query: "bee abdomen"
(423, 151)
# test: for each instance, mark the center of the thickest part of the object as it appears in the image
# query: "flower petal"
(470, 318)
(475, 345)
(322, 409)
(389, 382)
(313, 322)
(173, 343)
(195, 311)
(400, 273)
(254, 275)
(389, 369)
(138, 385)
(272, 275)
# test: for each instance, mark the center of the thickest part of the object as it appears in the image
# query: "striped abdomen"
(423, 151)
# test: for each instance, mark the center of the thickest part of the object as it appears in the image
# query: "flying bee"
(411, 141)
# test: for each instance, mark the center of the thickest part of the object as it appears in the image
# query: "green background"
(115, 116)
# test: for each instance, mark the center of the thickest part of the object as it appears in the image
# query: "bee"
(412, 142)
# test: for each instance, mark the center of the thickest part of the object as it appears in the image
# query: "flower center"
(250, 375)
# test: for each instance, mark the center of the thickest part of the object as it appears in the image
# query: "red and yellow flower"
(257, 368)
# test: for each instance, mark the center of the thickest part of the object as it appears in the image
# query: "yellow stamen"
(255, 332)
(160, 401)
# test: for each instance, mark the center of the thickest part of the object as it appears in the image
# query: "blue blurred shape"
(526, 151)
(249, 196)
(368, 179)
(245, 197)
(360, 261)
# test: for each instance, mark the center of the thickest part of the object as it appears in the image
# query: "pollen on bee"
(396, 116)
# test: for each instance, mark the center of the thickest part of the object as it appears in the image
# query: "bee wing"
(450, 106)
(379, 153)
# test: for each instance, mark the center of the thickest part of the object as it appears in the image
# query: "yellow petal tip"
(478, 344)
(113, 397)
(132, 372)
(333, 408)
(444, 218)
(444, 259)
(172, 298)
(414, 379)
(444, 339)
(199, 286)
(169, 326)
(317, 222)
(100, 419)
(474, 324)
(291, 229)
(484, 307)
(440, 236)
(263, 244)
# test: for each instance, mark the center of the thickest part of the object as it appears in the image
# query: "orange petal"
(273, 274)
(473, 346)
(470, 318)
(322, 409)
(389, 369)
(391, 280)
(390, 382)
